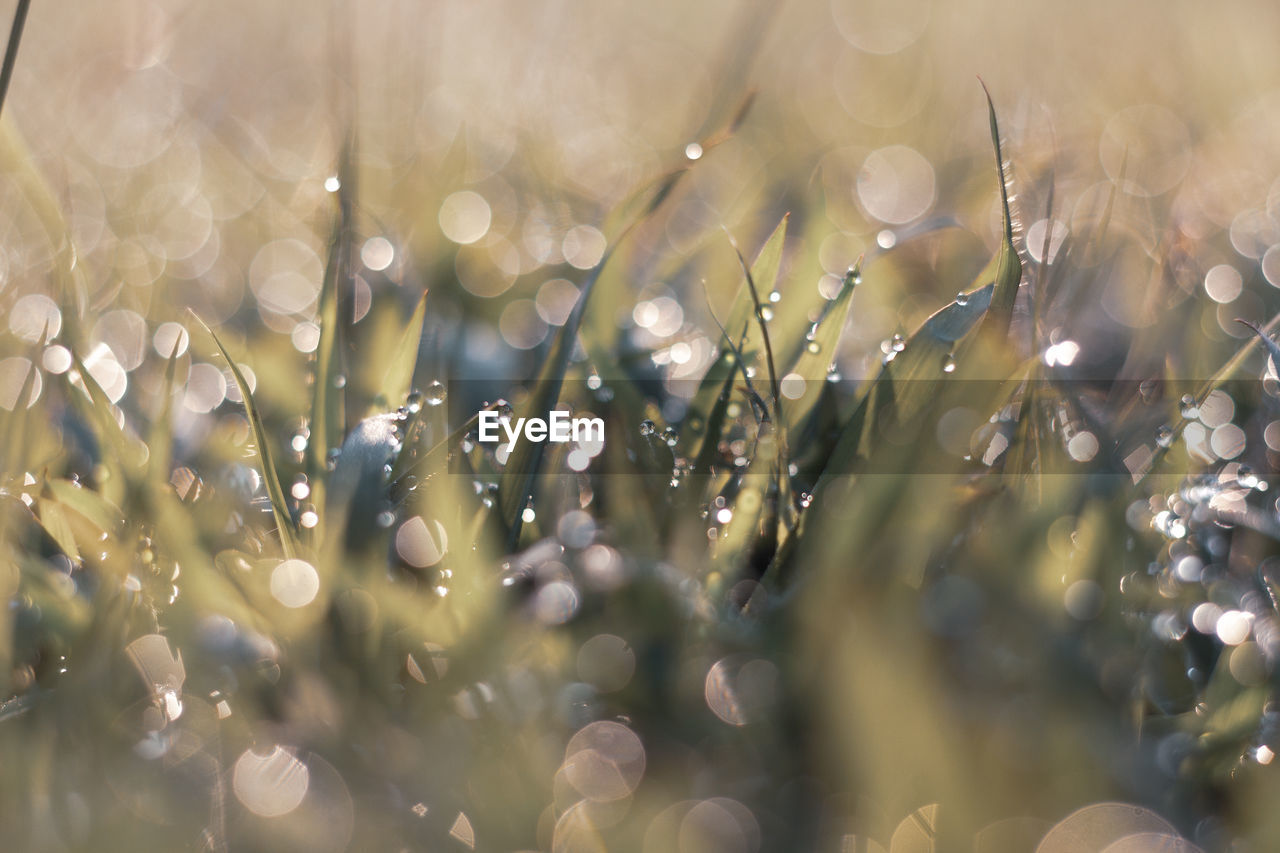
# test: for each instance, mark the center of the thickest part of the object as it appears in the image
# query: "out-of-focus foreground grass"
(887, 547)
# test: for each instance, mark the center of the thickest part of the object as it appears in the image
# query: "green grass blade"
(327, 415)
(1222, 374)
(515, 486)
(270, 476)
(819, 353)
(695, 432)
(398, 376)
(1005, 270)
(98, 409)
(160, 438)
(906, 382)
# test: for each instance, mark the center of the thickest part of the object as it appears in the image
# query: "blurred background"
(190, 146)
(160, 157)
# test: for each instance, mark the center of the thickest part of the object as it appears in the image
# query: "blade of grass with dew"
(695, 435)
(434, 460)
(753, 514)
(1222, 374)
(818, 355)
(515, 486)
(327, 400)
(910, 380)
(775, 438)
(270, 476)
(697, 487)
(1005, 269)
(919, 367)
(397, 379)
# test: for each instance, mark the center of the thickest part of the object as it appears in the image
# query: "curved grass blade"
(270, 476)
(1273, 350)
(1005, 269)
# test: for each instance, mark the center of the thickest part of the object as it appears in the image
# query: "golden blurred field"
(986, 561)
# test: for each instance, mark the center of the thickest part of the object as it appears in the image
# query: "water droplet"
(436, 393)
(332, 184)
(331, 458)
(813, 347)
(693, 151)
(1189, 408)
(775, 297)
(962, 299)
(646, 427)
(528, 515)
(897, 343)
(853, 276)
(340, 381)
(1246, 477)
(504, 409)
(386, 518)
(948, 363)
(670, 436)
(766, 313)
(1164, 435)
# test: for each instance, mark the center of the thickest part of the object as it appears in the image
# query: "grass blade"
(398, 377)
(819, 353)
(515, 486)
(1005, 269)
(270, 476)
(11, 49)
(695, 431)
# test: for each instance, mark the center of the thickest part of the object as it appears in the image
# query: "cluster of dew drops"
(719, 511)
(300, 490)
(1196, 589)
